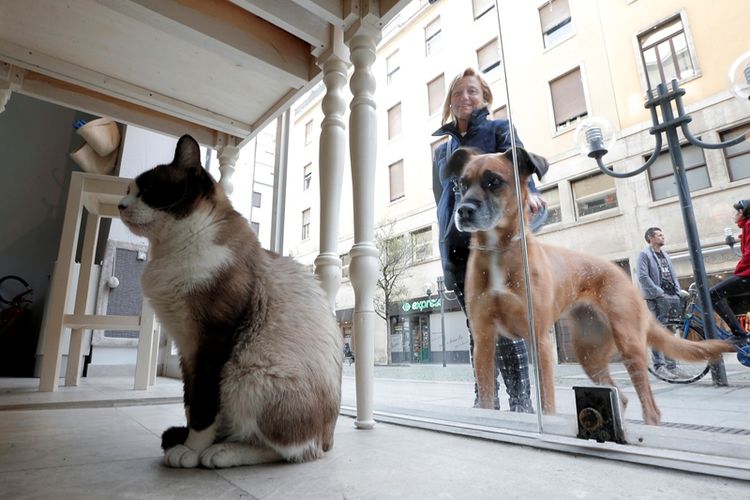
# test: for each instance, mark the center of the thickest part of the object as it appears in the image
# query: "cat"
(260, 351)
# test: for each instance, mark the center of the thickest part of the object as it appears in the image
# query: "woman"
(739, 282)
(467, 105)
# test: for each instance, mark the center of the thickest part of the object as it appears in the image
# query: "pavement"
(705, 430)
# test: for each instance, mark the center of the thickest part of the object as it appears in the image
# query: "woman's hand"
(535, 202)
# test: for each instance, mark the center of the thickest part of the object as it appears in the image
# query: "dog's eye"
(493, 183)
(463, 186)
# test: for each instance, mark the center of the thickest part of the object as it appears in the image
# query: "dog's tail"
(686, 350)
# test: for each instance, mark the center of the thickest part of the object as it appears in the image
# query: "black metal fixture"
(595, 138)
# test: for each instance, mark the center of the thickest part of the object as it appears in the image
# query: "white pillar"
(331, 162)
(228, 155)
(362, 39)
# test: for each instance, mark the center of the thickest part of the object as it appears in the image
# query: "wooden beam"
(123, 91)
(330, 10)
(227, 30)
(290, 17)
(76, 97)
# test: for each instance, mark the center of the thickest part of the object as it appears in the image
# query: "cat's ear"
(187, 154)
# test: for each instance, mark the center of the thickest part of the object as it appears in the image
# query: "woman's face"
(738, 216)
(466, 97)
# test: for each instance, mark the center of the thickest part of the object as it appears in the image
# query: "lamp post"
(595, 138)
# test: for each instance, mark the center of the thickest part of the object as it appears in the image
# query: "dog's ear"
(528, 163)
(459, 159)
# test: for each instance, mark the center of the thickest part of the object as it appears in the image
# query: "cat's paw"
(173, 436)
(219, 456)
(181, 456)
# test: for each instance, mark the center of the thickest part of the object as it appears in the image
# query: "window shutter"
(567, 97)
(436, 94)
(553, 13)
(396, 172)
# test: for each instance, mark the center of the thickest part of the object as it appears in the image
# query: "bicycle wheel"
(685, 372)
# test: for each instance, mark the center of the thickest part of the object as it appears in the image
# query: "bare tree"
(395, 257)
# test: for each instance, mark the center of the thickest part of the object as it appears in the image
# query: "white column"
(228, 155)
(331, 162)
(361, 39)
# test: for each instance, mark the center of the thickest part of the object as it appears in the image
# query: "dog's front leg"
(484, 362)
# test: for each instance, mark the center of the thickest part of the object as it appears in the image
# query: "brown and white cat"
(259, 348)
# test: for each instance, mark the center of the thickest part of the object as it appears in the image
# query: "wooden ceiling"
(218, 69)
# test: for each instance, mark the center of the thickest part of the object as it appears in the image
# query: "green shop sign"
(421, 305)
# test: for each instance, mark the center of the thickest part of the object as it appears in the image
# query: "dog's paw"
(173, 436)
(182, 457)
(218, 456)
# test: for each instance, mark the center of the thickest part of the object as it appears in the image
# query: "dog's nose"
(121, 206)
(466, 210)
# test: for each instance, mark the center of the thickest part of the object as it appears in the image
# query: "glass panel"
(392, 64)
(552, 197)
(423, 325)
(432, 36)
(738, 156)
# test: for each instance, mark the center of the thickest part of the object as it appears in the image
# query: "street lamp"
(443, 295)
(595, 138)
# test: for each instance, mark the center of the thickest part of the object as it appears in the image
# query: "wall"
(35, 139)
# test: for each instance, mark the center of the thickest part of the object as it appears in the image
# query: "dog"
(609, 313)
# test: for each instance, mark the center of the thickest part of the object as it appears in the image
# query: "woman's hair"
(486, 92)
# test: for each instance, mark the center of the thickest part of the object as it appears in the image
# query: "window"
(346, 259)
(481, 7)
(661, 174)
(394, 121)
(568, 101)
(665, 53)
(432, 34)
(396, 246)
(392, 65)
(306, 224)
(738, 157)
(306, 177)
(256, 227)
(500, 113)
(594, 193)
(436, 95)
(488, 57)
(552, 197)
(396, 175)
(256, 199)
(308, 132)
(556, 21)
(421, 244)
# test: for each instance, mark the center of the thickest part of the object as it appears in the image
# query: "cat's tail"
(173, 436)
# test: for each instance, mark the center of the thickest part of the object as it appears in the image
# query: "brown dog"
(496, 289)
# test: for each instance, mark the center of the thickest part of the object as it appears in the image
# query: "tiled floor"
(53, 447)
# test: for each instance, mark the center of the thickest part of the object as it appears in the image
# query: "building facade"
(550, 65)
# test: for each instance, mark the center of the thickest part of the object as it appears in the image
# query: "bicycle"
(687, 322)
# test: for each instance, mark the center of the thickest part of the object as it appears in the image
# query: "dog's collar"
(496, 250)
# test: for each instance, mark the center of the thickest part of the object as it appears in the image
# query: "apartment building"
(551, 65)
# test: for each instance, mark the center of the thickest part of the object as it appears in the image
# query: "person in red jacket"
(739, 282)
